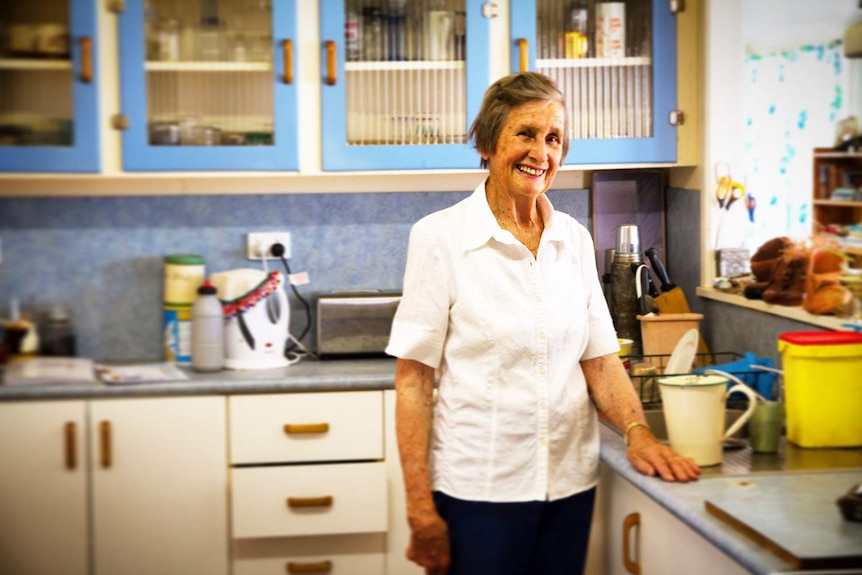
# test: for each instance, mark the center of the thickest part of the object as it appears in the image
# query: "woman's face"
(529, 148)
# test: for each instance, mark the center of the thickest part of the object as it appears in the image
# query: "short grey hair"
(502, 97)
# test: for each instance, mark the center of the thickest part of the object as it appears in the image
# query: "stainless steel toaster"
(355, 323)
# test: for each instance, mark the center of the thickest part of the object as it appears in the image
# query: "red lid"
(821, 337)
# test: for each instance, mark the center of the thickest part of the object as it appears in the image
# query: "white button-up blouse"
(513, 420)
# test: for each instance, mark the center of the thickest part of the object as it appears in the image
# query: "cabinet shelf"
(401, 66)
(34, 64)
(568, 63)
(209, 66)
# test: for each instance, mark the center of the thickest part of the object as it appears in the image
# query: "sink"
(739, 459)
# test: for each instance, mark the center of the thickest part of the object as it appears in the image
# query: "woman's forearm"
(414, 386)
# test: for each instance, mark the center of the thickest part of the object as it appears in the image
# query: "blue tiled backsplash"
(103, 257)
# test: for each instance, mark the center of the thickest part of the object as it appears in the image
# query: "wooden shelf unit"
(833, 170)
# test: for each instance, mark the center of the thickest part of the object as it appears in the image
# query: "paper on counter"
(140, 373)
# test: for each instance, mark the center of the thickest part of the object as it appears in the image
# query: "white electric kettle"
(256, 315)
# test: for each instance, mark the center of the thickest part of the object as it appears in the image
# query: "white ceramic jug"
(694, 407)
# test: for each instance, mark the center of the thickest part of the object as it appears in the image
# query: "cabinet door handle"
(330, 62)
(287, 52)
(524, 52)
(323, 501)
(105, 444)
(86, 44)
(631, 521)
(71, 453)
(318, 567)
(306, 427)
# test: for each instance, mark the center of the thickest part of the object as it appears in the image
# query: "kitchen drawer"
(301, 427)
(330, 555)
(309, 500)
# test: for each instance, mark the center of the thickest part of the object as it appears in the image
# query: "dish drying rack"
(646, 385)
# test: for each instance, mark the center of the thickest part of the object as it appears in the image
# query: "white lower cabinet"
(309, 483)
(641, 537)
(157, 496)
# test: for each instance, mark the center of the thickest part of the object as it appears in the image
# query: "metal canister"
(184, 273)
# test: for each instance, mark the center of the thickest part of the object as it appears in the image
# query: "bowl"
(625, 346)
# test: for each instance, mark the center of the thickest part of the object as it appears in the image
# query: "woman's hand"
(429, 544)
(650, 457)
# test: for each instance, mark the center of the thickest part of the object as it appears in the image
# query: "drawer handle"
(324, 501)
(105, 444)
(319, 567)
(71, 453)
(331, 57)
(287, 53)
(524, 53)
(631, 521)
(306, 427)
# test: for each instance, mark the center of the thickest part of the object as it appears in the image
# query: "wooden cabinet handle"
(105, 455)
(524, 52)
(287, 53)
(330, 62)
(631, 521)
(323, 501)
(86, 44)
(318, 567)
(306, 427)
(71, 452)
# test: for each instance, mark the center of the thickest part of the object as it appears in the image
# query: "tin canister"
(184, 273)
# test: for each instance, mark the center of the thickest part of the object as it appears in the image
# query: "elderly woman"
(501, 296)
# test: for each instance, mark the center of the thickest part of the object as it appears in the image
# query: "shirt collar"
(480, 225)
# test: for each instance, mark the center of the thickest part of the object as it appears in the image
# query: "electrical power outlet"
(258, 244)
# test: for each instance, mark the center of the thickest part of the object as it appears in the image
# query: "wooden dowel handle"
(287, 52)
(306, 427)
(330, 63)
(71, 452)
(318, 567)
(631, 521)
(322, 501)
(524, 53)
(105, 444)
(86, 44)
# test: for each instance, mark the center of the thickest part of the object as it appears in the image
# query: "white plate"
(682, 357)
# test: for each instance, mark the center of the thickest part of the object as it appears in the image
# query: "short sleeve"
(421, 321)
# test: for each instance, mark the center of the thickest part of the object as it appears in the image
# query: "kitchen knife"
(672, 298)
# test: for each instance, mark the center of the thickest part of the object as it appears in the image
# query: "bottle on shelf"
(576, 44)
(207, 330)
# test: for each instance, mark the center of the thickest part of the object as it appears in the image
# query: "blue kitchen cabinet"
(618, 75)
(401, 81)
(49, 86)
(208, 85)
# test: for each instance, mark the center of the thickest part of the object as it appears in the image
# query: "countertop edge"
(670, 496)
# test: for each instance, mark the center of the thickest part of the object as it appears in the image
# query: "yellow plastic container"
(823, 387)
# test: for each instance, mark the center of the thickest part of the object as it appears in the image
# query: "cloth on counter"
(762, 382)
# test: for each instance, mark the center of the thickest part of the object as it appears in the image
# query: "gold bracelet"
(631, 426)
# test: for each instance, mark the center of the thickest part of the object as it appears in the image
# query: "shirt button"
(542, 335)
(543, 441)
(542, 371)
(539, 299)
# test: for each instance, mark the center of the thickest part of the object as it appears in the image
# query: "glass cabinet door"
(209, 84)
(48, 86)
(616, 64)
(402, 80)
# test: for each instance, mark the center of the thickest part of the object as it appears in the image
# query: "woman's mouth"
(530, 171)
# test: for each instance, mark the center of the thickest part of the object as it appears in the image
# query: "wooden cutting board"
(795, 517)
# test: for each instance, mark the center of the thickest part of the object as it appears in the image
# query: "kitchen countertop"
(304, 376)
(686, 501)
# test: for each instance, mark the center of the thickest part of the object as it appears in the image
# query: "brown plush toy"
(787, 286)
(763, 264)
(824, 293)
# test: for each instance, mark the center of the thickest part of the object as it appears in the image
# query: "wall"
(103, 256)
